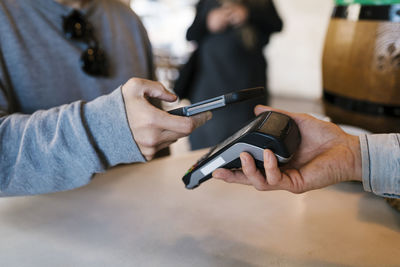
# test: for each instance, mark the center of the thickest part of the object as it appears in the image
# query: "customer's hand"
(154, 129)
(326, 156)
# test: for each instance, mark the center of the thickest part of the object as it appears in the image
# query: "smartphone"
(219, 102)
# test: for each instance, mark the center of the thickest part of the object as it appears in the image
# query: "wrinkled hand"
(326, 155)
(154, 129)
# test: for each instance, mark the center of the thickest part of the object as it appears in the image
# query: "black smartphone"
(219, 102)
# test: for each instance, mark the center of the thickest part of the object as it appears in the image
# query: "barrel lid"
(367, 2)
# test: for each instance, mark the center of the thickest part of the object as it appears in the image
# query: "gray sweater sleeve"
(63, 147)
(381, 164)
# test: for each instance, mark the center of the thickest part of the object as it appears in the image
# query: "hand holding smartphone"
(219, 102)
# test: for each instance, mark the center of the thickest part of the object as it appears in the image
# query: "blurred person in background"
(68, 105)
(231, 36)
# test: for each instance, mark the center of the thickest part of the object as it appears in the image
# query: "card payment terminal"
(271, 130)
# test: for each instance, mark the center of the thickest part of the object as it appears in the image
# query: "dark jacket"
(225, 63)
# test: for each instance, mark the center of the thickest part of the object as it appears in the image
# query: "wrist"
(355, 167)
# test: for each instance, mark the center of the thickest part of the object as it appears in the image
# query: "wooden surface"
(375, 124)
(141, 215)
(361, 60)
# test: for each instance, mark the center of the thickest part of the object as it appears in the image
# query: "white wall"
(166, 22)
(295, 54)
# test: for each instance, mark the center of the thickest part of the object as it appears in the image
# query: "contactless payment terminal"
(271, 130)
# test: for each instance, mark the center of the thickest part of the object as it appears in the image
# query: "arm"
(213, 18)
(198, 30)
(266, 16)
(326, 156)
(61, 148)
(266, 19)
(381, 164)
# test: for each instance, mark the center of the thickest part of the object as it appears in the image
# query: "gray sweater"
(55, 130)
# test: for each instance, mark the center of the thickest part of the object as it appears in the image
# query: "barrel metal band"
(362, 106)
(357, 12)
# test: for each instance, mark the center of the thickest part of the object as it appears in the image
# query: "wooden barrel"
(361, 65)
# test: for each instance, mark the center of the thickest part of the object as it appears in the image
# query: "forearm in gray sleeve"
(381, 164)
(61, 148)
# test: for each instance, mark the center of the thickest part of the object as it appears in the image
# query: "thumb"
(157, 90)
(261, 108)
(136, 87)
